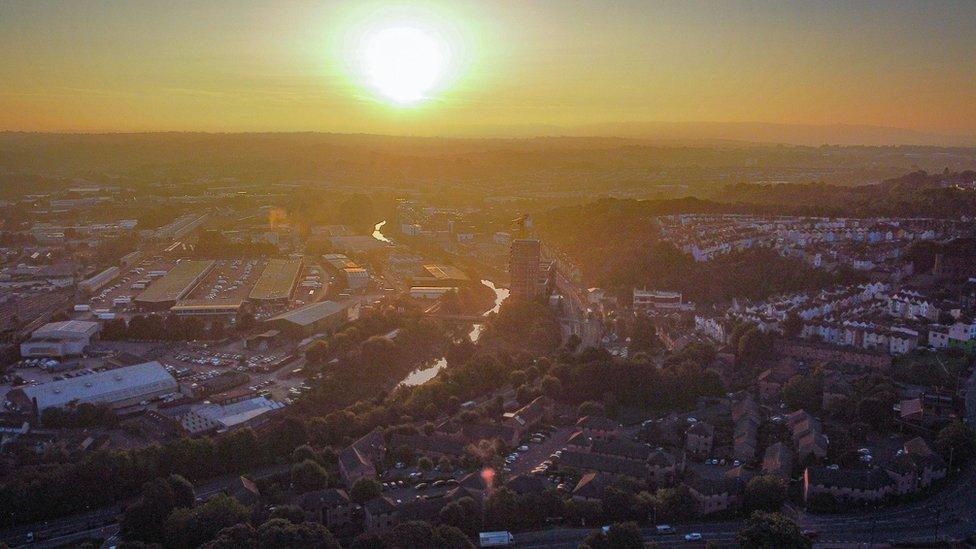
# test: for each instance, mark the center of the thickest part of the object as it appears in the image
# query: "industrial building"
(277, 281)
(98, 281)
(523, 267)
(205, 418)
(60, 339)
(178, 282)
(313, 318)
(208, 307)
(118, 388)
(440, 275)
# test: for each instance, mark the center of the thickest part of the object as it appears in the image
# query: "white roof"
(230, 415)
(67, 328)
(110, 386)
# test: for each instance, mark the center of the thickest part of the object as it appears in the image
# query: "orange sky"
(236, 65)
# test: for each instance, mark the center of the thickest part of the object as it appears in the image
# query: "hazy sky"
(237, 65)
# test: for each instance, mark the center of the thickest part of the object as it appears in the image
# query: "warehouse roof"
(277, 279)
(109, 386)
(67, 328)
(312, 313)
(177, 283)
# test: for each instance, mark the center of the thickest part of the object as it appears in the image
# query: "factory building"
(60, 339)
(118, 388)
(313, 318)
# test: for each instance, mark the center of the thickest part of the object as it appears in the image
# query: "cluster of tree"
(619, 249)
(25, 492)
(162, 328)
(771, 530)
(213, 244)
(526, 325)
(83, 415)
(916, 194)
(469, 299)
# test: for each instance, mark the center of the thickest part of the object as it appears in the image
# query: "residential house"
(380, 514)
(855, 485)
(699, 438)
(330, 507)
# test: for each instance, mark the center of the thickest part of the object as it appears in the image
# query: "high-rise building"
(523, 267)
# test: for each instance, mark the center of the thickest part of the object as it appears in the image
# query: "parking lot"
(537, 453)
(229, 279)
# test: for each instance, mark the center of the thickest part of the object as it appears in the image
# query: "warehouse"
(60, 339)
(312, 319)
(205, 418)
(97, 282)
(277, 281)
(440, 275)
(178, 282)
(208, 307)
(118, 388)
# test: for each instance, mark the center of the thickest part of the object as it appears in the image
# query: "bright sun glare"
(403, 64)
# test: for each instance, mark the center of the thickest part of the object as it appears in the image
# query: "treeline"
(619, 248)
(81, 416)
(213, 244)
(106, 477)
(916, 194)
(367, 363)
(162, 328)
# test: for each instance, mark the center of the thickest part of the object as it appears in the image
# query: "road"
(577, 320)
(103, 522)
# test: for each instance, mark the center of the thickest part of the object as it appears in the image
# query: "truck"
(496, 539)
(82, 308)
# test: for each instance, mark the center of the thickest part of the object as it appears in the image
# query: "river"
(423, 375)
(378, 233)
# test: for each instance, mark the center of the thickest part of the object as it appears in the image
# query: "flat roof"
(72, 327)
(277, 279)
(443, 272)
(109, 386)
(177, 283)
(312, 313)
(207, 304)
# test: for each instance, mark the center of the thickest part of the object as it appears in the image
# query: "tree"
(551, 387)
(621, 535)
(753, 346)
(425, 464)
(803, 393)
(412, 534)
(194, 527)
(592, 408)
(306, 535)
(501, 509)
(955, 441)
(625, 535)
(449, 537)
(368, 540)
(792, 325)
(764, 493)
(364, 490)
(463, 514)
(675, 504)
(291, 513)
(771, 531)
(145, 519)
(238, 536)
(307, 476)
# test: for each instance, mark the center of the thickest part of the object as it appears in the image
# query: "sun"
(403, 63)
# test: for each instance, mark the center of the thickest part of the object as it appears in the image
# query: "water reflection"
(378, 234)
(423, 375)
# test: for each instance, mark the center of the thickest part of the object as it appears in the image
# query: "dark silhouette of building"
(523, 267)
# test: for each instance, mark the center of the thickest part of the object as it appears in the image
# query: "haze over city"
(402, 274)
(654, 69)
